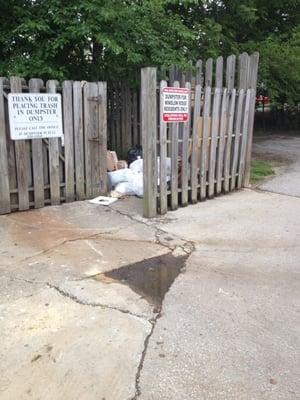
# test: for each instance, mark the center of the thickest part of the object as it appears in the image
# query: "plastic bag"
(137, 166)
(125, 188)
(137, 184)
(134, 153)
(121, 175)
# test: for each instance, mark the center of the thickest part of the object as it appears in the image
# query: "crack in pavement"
(141, 363)
(81, 302)
(94, 304)
(186, 247)
(138, 391)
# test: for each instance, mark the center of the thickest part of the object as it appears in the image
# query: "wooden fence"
(123, 118)
(37, 172)
(210, 153)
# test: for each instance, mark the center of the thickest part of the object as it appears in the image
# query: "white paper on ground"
(103, 200)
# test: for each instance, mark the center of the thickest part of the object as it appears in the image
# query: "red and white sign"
(175, 104)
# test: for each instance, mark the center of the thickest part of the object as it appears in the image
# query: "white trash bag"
(118, 176)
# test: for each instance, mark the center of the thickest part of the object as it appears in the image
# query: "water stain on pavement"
(150, 278)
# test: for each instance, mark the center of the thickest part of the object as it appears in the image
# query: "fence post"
(4, 179)
(252, 82)
(149, 137)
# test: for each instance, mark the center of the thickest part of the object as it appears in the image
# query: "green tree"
(268, 26)
(89, 39)
(112, 39)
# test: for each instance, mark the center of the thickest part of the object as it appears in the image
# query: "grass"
(260, 170)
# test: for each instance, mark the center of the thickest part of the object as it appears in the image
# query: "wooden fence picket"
(243, 72)
(219, 72)
(185, 169)
(204, 146)
(174, 129)
(227, 155)
(195, 144)
(100, 159)
(22, 156)
(237, 135)
(35, 86)
(230, 71)
(245, 127)
(163, 155)
(253, 68)
(90, 93)
(54, 157)
(67, 97)
(78, 141)
(149, 133)
(199, 74)
(4, 175)
(209, 72)
(213, 142)
(221, 147)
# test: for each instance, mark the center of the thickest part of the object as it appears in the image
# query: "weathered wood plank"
(149, 138)
(243, 71)
(67, 94)
(221, 147)
(245, 127)
(78, 141)
(227, 155)
(4, 179)
(135, 118)
(163, 155)
(185, 170)
(213, 142)
(118, 122)
(205, 135)
(199, 74)
(230, 71)
(219, 72)
(253, 68)
(35, 86)
(172, 74)
(21, 152)
(174, 132)
(102, 126)
(91, 137)
(195, 145)
(128, 132)
(123, 121)
(54, 157)
(209, 72)
(237, 132)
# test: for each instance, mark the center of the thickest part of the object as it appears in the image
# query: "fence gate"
(210, 152)
(37, 172)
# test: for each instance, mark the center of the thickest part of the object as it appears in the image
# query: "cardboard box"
(122, 164)
(112, 161)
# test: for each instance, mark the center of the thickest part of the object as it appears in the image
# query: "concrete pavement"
(228, 328)
(286, 150)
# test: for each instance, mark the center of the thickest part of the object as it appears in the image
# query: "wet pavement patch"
(149, 278)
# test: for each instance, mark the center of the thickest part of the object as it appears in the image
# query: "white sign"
(34, 115)
(175, 104)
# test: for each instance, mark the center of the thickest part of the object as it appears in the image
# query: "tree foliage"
(112, 39)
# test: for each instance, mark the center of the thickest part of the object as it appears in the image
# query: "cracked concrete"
(228, 327)
(48, 260)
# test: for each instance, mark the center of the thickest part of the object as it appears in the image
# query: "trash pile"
(126, 179)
